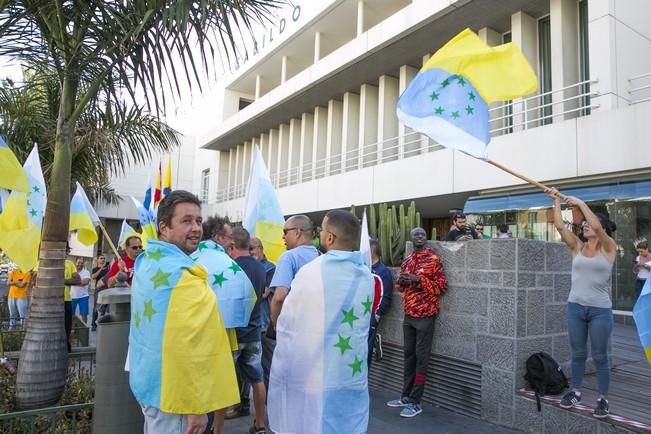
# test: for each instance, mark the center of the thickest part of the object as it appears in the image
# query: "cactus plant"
(372, 222)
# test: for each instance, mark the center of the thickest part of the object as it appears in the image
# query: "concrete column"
(258, 86)
(283, 70)
(232, 158)
(350, 132)
(307, 151)
(387, 121)
(264, 148)
(273, 155)
(409, 142)
(222, 175)
(320, 148)
(360, 17)
(294, 150)
(333, 137)
(239, 155)
(425, 143)
(368, 118)
(492, 38)
(283, 152)
(246, 167)
(602, 24)
(524, 33)
(564, 19)
(317, 47)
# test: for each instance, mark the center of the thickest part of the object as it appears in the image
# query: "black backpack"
(544, 376)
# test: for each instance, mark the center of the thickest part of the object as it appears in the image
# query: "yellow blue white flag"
(263, 217)
(642, 316)
(83, 218)
(147, 221)
(12, 176)
(448, 99)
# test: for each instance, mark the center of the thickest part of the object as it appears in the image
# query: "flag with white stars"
(22, 217)
(448, 99)
(319, 377)
(235, 293)
(180, 359)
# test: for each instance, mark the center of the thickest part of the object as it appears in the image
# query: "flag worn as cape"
(22, 217)
(448, 99)
(642, 316)
(12, 176)
(235, 294)
(318, 382)
(180, 360)
(263, 217)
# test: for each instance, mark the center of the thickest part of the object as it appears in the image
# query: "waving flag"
(4, 195)
(263, 217)
(12, 176)
(235, 294)
(83, 218)
(318, 382)
(22, 217)
(157, 189)
(147, 201)
(147, 220)
(167, 181)
(365, 243)
(642, 316)
(180, 360)
(127, 231)
(448, 99)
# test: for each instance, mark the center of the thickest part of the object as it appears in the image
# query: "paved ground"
(386, 420)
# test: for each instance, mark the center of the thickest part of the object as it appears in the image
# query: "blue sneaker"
(411, 410)
(401, 402)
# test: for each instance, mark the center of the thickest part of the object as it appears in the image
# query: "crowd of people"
(310, 330)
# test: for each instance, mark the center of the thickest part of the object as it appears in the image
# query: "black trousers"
(418, 334)
(268, 347)
(372, 332)
(67, 312)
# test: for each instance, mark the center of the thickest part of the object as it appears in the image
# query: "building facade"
(317, 94)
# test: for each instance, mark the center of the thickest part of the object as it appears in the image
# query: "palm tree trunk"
(43, 363)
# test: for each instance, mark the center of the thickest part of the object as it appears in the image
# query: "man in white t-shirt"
(79, 293)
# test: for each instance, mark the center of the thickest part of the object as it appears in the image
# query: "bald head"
(341, 231)
(298, 231)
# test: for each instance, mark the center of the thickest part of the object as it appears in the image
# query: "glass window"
(508, 108)
(205, 185)
(545, 69)
(584, 56)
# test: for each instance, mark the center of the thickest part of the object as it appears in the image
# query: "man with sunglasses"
(132, 247)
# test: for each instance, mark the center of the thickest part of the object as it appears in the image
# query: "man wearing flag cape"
(180, 362)
(318, 382)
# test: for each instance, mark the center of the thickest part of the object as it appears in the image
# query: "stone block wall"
(506, 300)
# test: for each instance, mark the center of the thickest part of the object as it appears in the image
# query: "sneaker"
(402, 402)
(235, 412)
(570, 399)
(377, 348)
(256, 430)
(411, 410)
(602, 411)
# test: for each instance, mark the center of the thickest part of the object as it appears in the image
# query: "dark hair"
(214, 226)
(642, 244)
(241, 238)
(127, 242)
(503, 228)
(458, 215)
(375, 247)
(167, 206)
(608, 225)
(347, 227)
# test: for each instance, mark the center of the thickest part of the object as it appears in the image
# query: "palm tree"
(117, 49)
(108, 137)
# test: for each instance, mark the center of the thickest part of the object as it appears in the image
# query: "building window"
(545, 69)
(584, 56)
(205, 185)
(244, 103)
(508, 107)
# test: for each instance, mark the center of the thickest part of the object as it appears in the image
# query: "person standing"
(319, 381)
(96, 276)
(18, 282)
(382, 297)
(79, 293)
(248, 357)
(641, 265)
(459, 230)
(180, 362)
(126, 263)
(589, 307)
(421, 282)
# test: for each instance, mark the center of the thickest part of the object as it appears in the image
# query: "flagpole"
(115, 251)
(522, 177)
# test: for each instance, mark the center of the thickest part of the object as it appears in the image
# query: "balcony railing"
(640, 88)
(509, 117)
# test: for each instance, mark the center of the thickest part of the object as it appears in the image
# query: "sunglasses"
(136, 247)
(286, 231)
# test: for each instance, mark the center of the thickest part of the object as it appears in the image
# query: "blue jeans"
(17, 311)
(639, 284)
(598, 323)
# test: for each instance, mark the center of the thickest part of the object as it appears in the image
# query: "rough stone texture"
(535, 312)
(562, 285)
(554, 419)
(506, 415)
(499, 386)
(482, 325)
(544, 280)
(509, 280)
(521, 314)
(526, 280)
(453, 255)
(502, 312)
(484, 278)
(455, 276)
(477, 255)
(496, 352)
(605, 428)
(558, 257)
(531, 255)
(579, 424)
(526, 347)
(527, 417)
(555, 318)
(561, 349)
(465, 300)
(502, 255)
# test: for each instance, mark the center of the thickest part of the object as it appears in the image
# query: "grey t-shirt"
(591, 281)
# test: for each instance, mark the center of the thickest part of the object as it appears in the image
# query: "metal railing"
(512, 116)
(76, 418)
(640, 88)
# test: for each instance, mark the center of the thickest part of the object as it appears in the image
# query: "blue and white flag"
(319, 377)
(642, 316)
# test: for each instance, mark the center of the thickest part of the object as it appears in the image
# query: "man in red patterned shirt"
(421, 282)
